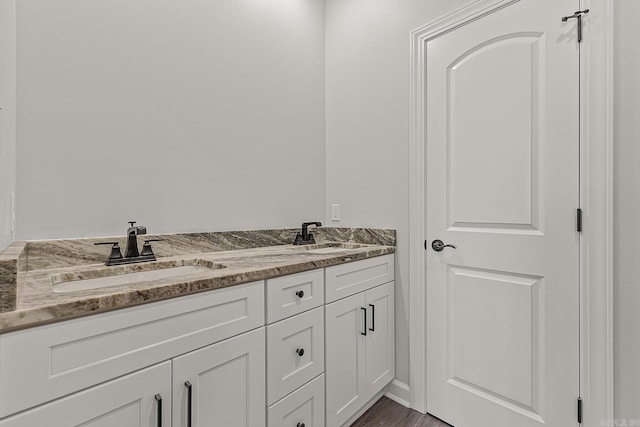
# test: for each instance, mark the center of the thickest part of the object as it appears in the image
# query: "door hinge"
(579, 220)
(578, 16)
(579, 410)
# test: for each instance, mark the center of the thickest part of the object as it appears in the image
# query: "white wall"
(183, 115)
(627, 210)
(7, 118)
(367, 43)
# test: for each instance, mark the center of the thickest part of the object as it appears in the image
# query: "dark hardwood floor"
(387, 413)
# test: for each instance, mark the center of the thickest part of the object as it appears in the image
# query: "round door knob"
(300, 294)
(438, 245)
(300, 425)
(300, 351)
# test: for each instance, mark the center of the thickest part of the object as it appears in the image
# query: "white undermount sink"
(127, 275)
(329, 248)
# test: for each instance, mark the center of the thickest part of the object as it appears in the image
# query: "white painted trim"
(398, 392)
(596, 195)
(417, 200)
(596, 287)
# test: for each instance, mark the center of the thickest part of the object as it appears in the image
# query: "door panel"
(502, 186)
(346, 384)
(380, 340)
(128, 401)
(227, 380)
(494, 183)
(501, 309)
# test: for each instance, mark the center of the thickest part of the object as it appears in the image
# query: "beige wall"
(183, 115)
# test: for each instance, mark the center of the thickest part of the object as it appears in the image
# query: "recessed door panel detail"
(218, 398)
(494, 134)
(494, 336)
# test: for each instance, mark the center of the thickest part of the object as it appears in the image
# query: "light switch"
(13, 215)
(335, 212)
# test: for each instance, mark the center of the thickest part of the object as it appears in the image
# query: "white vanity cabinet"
(225, 387)
(360, 342)
(222, 384)
(295, 350)
(308, 349)
(40, 364)
(141, 399)
(76, 362)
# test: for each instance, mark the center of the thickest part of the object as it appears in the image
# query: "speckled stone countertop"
(28, 271)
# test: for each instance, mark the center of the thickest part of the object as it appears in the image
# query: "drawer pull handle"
(159, 400)
(365, 321)
(300, 351)
(189, 401)
(373, 318)
(300, 294)
(300, 425)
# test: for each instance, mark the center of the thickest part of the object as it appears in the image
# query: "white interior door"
(502, 156)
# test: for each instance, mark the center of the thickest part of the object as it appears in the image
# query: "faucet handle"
(132, 223)
(115, 250)
(146, 248)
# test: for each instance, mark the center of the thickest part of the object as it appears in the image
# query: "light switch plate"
(13, 214)
(335, 212)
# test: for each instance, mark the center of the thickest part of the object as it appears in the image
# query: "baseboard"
(364, 409)
(399, 392)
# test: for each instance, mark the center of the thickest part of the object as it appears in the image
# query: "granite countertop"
(247, 256)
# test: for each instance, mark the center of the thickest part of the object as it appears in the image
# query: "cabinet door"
(227, 384)
(345, 359)
(380, 355)
(129, 401)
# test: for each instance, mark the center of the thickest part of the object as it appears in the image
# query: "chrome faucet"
(132, 239)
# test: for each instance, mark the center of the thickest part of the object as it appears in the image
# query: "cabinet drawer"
(40, 364)
(293, 294)
(303, 406)
(295, 353)
(127, 401)
(348, 279)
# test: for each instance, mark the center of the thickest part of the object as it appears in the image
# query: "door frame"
(596, 195)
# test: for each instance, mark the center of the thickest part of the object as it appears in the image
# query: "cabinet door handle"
(373, 318)
(300, 294)
(159, 400)
(365, 321)
(300, 352)
(300, 425)
(189, 401)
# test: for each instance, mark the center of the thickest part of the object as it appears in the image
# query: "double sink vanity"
(230, 328)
